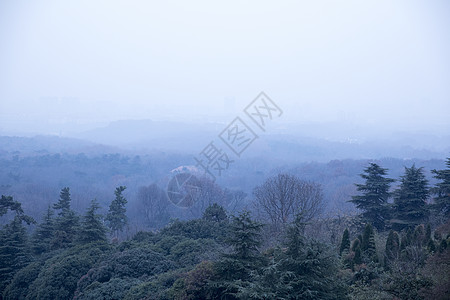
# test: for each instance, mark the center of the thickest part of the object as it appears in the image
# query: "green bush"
(59, 275)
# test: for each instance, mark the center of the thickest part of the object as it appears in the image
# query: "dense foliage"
(223, 256)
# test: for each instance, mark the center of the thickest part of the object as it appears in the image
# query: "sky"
(74, 65)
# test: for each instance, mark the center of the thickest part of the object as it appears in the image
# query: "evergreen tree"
(442, 190)
(428, 233)
(356, 243)
(368, 243)
(294, 236)
(244, 237)
(420, 236)
(429, 240)
(375, 194)
(14, 251)
(92, 228)
(235, 270)
(44, 234)
(116, 216)
(67, 222)
(345, 243)
(410, 200)
(215, 213)
(307, 269)
(63, 204)
(392, 247)
(302, 269)
(357, 260)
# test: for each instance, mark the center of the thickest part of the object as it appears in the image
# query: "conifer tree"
(428, 233)
(92, 228)
(375, 194)
(368, 243)
(392, 246)
(442, 190)
(235, 270)
(63, 203)
(215, 213)
(14, 251)
(410, 200)
(357, 260)
(43, 236)
(67, 222)
(307, 268)
(116, 216)
(244, 237)
(345, 243)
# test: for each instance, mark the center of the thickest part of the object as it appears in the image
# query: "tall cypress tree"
(368, 243)
(374, 195)
(345, 243)
(116, 216)
(67, 222)
(392, 247)
(442, 190)
(410, 199)
(92, 228)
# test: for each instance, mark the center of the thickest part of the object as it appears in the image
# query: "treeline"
(410, 206)
(216, 256)
(397, 254)
(35, 180)
(390, 251)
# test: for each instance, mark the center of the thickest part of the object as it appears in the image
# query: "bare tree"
(284, 196)
(235, 200)
(154, 205)
(208, 193)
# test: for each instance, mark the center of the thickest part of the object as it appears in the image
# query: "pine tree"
(116, 216)
(410, 201)
(67, 222)
(63, 203)
(368, 243)
(302, 269)
(235, 269)
(345, 243)
(375, 194)
(44, 234)
(14, 251)
(92, 228)
(308, 269)
(442, 190)
(244, 237)
(215, 213)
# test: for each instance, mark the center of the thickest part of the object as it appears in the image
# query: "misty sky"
(79, 64)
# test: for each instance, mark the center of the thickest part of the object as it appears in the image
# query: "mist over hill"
(285, 141)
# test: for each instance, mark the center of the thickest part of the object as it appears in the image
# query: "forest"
(203, 150)
(280, 245)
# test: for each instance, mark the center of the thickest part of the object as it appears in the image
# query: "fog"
(224, 150)
(361, 68)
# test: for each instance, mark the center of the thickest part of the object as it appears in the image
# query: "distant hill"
(41, 144)
(286, 142)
